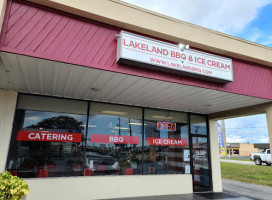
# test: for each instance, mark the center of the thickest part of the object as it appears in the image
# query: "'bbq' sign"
(115, 139)
(149, 53)
(48, 136)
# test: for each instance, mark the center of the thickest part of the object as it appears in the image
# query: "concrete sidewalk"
(232, 190)
(238, 162)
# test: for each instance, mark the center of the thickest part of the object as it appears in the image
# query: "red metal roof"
(48, 34)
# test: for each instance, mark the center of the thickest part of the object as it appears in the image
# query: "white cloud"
(264, 140)
(254, 35)
(228, 16)
(267, 40)
(36, 119)
(235, 139)
(259, 36)
(251, 129)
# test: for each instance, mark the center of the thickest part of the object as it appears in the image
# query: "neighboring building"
(245, 149)
(99, 99)
(233, 149)
(262, 146)
(241, 149)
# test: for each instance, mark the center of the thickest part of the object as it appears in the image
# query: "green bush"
(12, 187)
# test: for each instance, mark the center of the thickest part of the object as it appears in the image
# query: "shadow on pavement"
(196, 196)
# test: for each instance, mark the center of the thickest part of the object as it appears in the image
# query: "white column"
(8, 101)
(269, 125)
(215, 157)
(3, 4)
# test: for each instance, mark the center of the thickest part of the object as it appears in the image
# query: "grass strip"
(260, 175)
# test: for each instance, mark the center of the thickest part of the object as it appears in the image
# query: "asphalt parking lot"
(248, 190)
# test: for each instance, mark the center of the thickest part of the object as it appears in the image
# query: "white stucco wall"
(269, 124)
(3, 4)
(215, 157)
(8, 101)
(105, 187)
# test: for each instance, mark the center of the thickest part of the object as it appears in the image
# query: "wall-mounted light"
(183, 46)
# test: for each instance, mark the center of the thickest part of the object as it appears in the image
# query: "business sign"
(149, 53)
(48, 136)
(167, 126)
(199, 154)
(166, 141)
(220, 136)
(186, 156)
(114, 139)
(221, 140)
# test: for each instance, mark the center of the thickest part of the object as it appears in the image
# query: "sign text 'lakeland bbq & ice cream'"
(149, 53)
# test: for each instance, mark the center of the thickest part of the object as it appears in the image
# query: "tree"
(60, 122)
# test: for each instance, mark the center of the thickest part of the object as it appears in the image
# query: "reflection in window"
(46, 144)
(201, 163)
(198, 124)
(166, 142)
(49, 139)
(114, 139)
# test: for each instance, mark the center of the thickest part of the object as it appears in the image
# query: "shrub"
(12, 187)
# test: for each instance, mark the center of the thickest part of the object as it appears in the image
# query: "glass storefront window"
(59, 137)
(47, 138)
(166, 142)
(114, 142)
(198, 124)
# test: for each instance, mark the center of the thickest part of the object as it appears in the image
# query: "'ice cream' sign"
(166, 141)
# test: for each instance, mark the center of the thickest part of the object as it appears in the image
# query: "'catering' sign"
(166, 141)
(149, 53)
(48, 136)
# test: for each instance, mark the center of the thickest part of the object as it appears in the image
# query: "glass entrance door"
(200, 154)
(201, 169)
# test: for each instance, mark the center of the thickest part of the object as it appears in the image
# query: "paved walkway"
(234, 190)
(203, 196)
(238, 162)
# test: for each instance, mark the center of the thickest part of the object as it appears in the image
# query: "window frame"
(143, 119)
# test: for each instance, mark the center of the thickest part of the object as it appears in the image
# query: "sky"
(250, 129)
(246, 19)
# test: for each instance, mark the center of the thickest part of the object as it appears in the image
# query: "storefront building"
(241, 149)
(99, 100)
